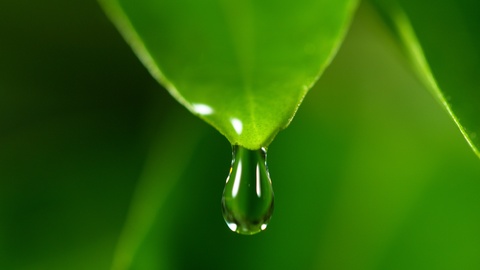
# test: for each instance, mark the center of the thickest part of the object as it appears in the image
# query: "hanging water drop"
(247, 201)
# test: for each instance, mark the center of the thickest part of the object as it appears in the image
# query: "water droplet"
(247, 201)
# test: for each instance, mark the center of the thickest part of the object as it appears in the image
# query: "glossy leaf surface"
(442, 40)
(242, 66)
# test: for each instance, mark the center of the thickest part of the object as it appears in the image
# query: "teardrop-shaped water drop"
(247, 201)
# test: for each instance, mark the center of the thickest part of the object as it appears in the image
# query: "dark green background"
(371, 174)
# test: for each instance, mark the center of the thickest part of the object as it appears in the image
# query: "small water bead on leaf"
(247, 201)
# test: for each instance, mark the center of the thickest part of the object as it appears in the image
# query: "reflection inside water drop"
(247, 201)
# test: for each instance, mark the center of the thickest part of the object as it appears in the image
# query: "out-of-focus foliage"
(372, 174)
(442, 40)
(243, 66)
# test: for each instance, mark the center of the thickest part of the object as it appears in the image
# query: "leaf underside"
(242, 66)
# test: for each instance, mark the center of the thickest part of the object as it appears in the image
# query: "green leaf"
(243, 66)
(442, 40)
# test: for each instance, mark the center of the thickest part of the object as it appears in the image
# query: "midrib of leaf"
(414, 50)
(243, 44)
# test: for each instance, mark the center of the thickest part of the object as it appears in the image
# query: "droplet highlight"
(247, 201)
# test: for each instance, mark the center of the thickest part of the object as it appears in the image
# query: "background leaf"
(442, 41)
(167, 153)
(243, 66)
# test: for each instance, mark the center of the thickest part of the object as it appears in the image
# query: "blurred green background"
(99, 166)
